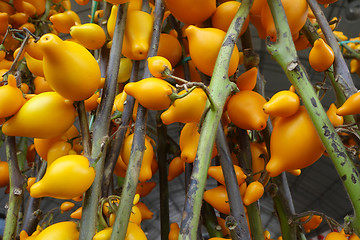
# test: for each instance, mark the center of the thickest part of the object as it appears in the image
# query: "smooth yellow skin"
(124, 70)
(134, 232)
(35, 66)
(90, 35)
(253, 192)
(69, 68)
(104, 234)
(45, 115)
(187, 109)
(294, 144)
(11, 98)
(137, 36)
(67, 177)
(60, 231)
(321, 56)
(282, 104)
(204, 46)
(157, 65)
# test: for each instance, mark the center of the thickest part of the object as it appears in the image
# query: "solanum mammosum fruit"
(350, 106)
(69, 68)
(60, 231)
(191, 12)
(187, 109)
(204, 46)
(152, 93)
(282, 104)
(4, 174)
(11, 98)
(218, 198)
(245, 110)
(294, 143)
(335, 236)
(253, 192)
(67, 177)
(90, 35)
(158, 65)
(312, 224)
(39, 117)
(321, 56)
(217, 173)
(174, 231)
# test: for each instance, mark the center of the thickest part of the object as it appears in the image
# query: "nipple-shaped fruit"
(321, 56)
(282, 104)
(187, 109)
(294, 143)
(90, 35)
(204, 47)
(67, 177)
(11, 98)
(245, 110)
(350, 106)
(45, 115)
(69, 68)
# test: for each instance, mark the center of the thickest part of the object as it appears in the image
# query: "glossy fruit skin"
(145, 212)
(152, 93)
(39, 117)
(294, 144)
(224, 14)
(204, 46)
(175, 168)
(217, 173)
(41, 85)
(218, 198)
(11, 99)
(110, 26)
(158, 65)
(258, 162)
(189, 140)
(191, 12)
(350, 106)
(321, 56)
(169, 48)
(58, 149)
(144, 188)
(66, 206)
(90, 35)
(335, 119)
(247, 80)
(77, 213)
(188, 109)
(145, 170)
(296, 13)
(69, 68)
(245, 110)
(137, 36)
(60, 231)
(124, 70)
(4, 174)
(335, 236)
(174, 231)
(312, 224)
(67, 177)
(62, 22)
(253, 192)
(283, 104)
(35, 66)
(104, 234)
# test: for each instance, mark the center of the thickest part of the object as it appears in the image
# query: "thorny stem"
(101, 126)
(16, 190)
(220, 88)
(283, 51)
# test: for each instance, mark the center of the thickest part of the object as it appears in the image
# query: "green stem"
(131, 178)
(210, 221)
(21, 153)
(101, 128)
(94, 6)
(16, 190)
(283, 51)
(220, 88)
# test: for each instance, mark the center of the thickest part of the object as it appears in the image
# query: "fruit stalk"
(16, 190)
(236, 205)
(101, 126)
(220, 88)
(283, 51)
